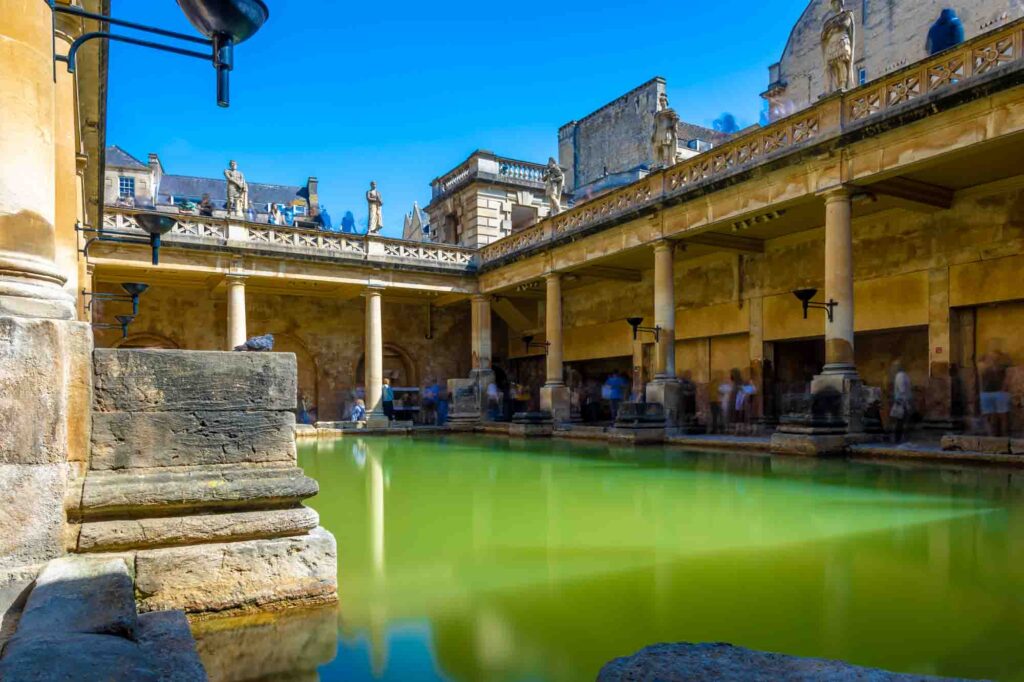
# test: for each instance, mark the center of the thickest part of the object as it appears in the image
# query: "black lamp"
(635, 323)
(805, 296)
(133, 291)
(156, 225)
(122, 323)
(224, 23)
(528, 343)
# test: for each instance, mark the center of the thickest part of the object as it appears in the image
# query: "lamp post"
(635, 323)
(225, 23)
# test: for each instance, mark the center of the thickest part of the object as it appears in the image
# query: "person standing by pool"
(358, 412)
(429, 404)
(902, 394)
(995, 399)
(387, 399)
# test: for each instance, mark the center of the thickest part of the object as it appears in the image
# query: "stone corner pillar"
(665, 388)
(237, 333)
(480, 314)
(374, 358)
(554, 394)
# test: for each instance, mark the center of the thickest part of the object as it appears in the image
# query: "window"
(862, 76)
(126, 187)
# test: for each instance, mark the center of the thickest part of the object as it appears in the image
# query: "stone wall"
(891, 35)
(613, 139)
(325, 334)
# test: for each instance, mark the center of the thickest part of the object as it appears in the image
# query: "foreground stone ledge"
(122, 440)
(238, 576)
(727, 663)
(192, 381)
(120, 535)
(31, 515)
(987, 444)
(151, 493)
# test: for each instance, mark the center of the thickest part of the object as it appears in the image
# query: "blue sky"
(401, 92)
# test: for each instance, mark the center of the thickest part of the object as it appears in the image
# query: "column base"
(377, 420)
(27, 298)
(668, 391)
(554, 398)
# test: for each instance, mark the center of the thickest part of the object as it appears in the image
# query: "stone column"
(480, 314)
(237, 333)
(839, 357)
(30, 282)
(664, 389)
(374, 359)
(44, 357)
(554, 395)
(68, 209)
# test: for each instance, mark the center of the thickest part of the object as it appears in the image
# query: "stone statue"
(554, 184)
(374, 202)
(666, 135)
(837, 46)
(238, 191)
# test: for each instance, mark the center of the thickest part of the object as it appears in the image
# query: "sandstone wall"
(326, 335)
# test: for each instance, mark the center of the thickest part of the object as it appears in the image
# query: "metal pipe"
(79, 12)
(81, 40)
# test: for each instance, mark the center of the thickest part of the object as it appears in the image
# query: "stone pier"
(193, 475)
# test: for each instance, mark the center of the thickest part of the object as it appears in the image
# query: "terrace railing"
(486, 166)
(245, 236)
(828, 118)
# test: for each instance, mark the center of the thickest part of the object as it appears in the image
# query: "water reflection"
(468, 559)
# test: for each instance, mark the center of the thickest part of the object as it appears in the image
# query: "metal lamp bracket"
(828, 307)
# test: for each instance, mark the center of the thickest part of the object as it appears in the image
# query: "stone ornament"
(837, 36)
(238, 191)
(554, 184)
(374, 202)
(666, 135)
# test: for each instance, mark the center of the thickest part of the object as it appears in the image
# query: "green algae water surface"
(482, 559)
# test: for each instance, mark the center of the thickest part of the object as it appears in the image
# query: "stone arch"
(147, 340)
(308, 369)
(399, 366)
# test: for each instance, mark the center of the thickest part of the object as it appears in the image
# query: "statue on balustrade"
(238, 191)
(374, 202)
(666, 134)
(837, 37)
(554, 184)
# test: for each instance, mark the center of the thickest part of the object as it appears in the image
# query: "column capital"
(235, 278)
(839, 193)
(553, 275)
(373, 290)
(481, 298)
(664, 245)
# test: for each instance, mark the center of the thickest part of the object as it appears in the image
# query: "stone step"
(185, 381)
(137, 493)
(80, 623)
(238, 576)
(123, 440)
(168, 531)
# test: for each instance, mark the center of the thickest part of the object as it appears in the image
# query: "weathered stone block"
(637, 436)
(728, 663)
(187, 381)
(83, 595)
(31, 514)
(165, 531)
(238, 576)
(123, 440)
(166, 639)
(1017, 446)
(152, 491)
(288, 645)
(987, 444)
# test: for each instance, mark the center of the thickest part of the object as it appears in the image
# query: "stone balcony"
(242, 238)
(961, 73)
(483, 165)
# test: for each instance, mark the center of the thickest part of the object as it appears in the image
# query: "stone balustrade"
(486, 166)
(247, 236)
(829, 119)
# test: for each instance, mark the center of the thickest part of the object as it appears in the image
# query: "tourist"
(358, 412)
(303, 416)
(493, 401)
(688, 399)
(428, 405)
(725, 406)
(615, 388)
(275, 217)
(325, 220)
(995, 398)
(388, 400)
(744, 401)
(206, 205)
(442, 408)
(902, 395)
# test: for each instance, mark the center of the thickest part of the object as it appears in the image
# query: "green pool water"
(481, 559)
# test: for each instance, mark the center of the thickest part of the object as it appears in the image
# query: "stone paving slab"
(718, 662)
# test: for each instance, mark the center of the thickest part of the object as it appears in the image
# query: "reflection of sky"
(409, 657)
